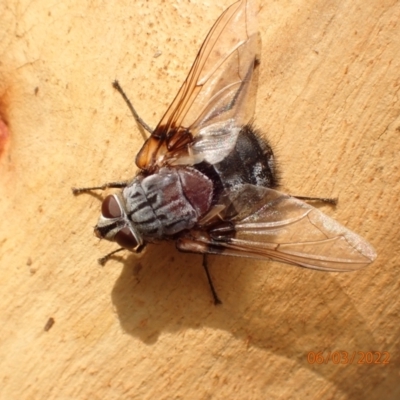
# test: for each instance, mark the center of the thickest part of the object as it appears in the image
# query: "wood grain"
(145, 326)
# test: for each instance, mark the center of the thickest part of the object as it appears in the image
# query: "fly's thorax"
(167, 202)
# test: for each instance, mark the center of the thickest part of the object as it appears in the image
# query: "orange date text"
(345, 357)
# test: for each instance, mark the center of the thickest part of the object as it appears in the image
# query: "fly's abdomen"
(168, 202)
(251, 161)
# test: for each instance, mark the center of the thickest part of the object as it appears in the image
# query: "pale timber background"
(145, 327)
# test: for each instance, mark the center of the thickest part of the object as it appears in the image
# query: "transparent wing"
(216, 99)
(265, 223)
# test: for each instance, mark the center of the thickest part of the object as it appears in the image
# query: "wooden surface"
(145, 327)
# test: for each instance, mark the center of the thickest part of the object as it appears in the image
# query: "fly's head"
(115, 225)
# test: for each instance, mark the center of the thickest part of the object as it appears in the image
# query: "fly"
(208, 181)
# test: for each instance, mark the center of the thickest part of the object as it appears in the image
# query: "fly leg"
(113, 185)
(139, 120)
(328, 200)
(105, 258)
(214, 293)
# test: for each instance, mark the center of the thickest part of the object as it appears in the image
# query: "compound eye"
(110, 207)
(125, 238)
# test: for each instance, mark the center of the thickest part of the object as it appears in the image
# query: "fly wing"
(264, 223)
(216, 99)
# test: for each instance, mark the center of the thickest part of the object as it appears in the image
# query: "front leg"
(113, 185)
